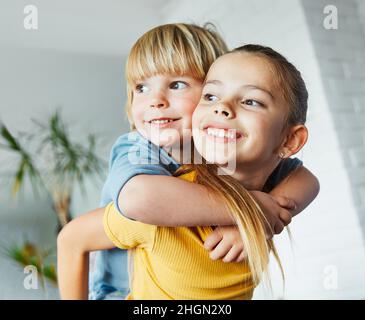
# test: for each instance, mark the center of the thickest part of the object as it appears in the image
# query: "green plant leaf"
(11, 141)
(29, 254)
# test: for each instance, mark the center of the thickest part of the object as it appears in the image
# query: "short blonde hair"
(177, 49)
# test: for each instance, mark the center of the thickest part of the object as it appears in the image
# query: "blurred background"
(74, 63)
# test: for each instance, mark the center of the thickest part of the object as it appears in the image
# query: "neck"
(253, 177)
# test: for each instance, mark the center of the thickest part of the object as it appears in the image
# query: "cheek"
(273, 131)
(137, 113)
(187, 106)
(260, 127)
(198, 116)
(187, 101)
(139, 107)
(264, 136)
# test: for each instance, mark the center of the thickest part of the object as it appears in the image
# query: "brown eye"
(140, 88)
(210, 97)
(178, 85)
(253, 103)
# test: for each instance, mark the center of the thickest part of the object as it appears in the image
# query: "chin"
(215, 158)
(165, 138)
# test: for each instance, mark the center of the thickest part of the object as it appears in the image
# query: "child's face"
(240, 94)
(162, 108)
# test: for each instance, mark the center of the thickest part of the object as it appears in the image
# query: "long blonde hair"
(246, 213)
(178, 49)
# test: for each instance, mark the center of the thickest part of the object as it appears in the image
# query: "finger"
(212, 240)
(233, 254)
(220, 250)
(285, 217)
(279, 227)
(285, 202)
(242, 256)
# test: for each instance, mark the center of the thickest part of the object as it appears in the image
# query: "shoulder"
(129, 142)
(282, 170)
(129, 139)
(126, 233)
(289, 164)
(189, 176)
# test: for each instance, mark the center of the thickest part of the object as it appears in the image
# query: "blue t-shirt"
(132, 155)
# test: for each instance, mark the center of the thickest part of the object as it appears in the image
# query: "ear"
(295, 139)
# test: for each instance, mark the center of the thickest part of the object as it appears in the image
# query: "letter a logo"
(331, 20)
(31, 18)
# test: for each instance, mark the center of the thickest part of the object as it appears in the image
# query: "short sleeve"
(125, 233)
(132, 155)
(283, 170)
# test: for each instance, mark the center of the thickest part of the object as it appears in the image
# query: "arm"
(301, 186)
(191, 205)
(286, 200)
(75, 241)
(142, 191)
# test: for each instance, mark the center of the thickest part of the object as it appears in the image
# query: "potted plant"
(52, 162)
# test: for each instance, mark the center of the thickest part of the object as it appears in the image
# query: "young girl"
(219, 214)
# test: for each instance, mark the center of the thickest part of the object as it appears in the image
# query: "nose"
(159, 101)
(224, 111)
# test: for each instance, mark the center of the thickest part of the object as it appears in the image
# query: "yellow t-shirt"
(171, 263)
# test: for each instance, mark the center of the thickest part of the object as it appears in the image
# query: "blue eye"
(178, 85)
(253, 103)
(210, 97)
(141, 88)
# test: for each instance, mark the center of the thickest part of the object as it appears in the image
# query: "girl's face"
(162, 108)
(241, 114)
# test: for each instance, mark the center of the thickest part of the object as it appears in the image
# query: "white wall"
(74, 62)
(327, 235)
(361, 12)
(85, 26)
(89, 92)
(341, 60)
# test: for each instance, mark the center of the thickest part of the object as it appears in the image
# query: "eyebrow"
(218, 82)
(250, 86)
(259, 88)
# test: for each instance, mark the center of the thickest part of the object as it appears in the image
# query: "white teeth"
(161, 121)
(221, 133)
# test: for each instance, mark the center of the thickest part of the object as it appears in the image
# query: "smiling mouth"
(222, 134)
(162, 121)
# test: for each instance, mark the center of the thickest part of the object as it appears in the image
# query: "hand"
(276, 210)
(225, 243)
